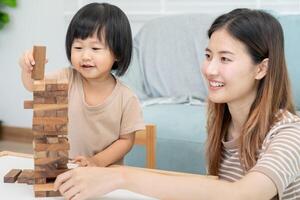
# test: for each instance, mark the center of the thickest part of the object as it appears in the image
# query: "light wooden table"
(12, 160)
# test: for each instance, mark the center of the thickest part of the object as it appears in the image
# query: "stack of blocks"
(49, 127)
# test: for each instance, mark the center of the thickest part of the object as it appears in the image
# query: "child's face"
(91, 57)
(229, 70)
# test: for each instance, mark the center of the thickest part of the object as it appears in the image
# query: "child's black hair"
(111, 24)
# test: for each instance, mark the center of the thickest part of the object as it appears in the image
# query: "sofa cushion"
(181, 138)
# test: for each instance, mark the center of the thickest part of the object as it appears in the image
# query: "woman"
(253, 141)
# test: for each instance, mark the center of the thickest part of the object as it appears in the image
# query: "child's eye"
(96, 48)
(77, 47)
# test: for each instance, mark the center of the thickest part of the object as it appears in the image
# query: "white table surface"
(25, 192)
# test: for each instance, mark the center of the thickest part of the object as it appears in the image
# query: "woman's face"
(229, 70)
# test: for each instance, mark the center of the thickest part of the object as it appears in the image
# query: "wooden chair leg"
(151, 146)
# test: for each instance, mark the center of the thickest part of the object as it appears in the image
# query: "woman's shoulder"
(285, 117)
(287, 123)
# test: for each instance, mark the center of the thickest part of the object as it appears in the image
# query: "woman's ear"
(262, 69)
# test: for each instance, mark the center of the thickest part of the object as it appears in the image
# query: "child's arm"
(92, 182)
(115, 151)
(111, 154)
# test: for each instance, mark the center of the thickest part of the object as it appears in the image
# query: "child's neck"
(97, 90)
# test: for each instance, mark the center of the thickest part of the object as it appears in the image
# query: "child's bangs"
(85, 30)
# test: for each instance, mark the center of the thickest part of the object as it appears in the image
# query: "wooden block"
(47, 168)
(39, 55)
(26, 176)
(57, 87)
(62, 145)
(49, 127)
(49, 106)
(62, 113)
(51, 87)
(63, 93)
(45, 113)
(61, 127)
(43, 187)
(44, 100)
(12, 175)
(52, 140)
(63, 86)
(45, 161)
(49, 133)
(49, 120)
(53, 194)
(40, 180)
(51, 81)
(49, 173)
(61, 100)
(40, 154)
(37, 127)
(39, 85)
(28, 104)
(40, 193)
(39, 82)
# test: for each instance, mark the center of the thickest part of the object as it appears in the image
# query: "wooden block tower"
(49, 128)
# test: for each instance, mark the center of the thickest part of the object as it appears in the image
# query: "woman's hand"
(86, 182)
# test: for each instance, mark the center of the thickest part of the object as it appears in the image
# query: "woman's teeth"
(216, 84)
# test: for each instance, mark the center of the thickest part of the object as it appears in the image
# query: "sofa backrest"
(291, 28)
(168, 52)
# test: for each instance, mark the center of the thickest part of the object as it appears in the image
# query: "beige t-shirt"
(91, 129)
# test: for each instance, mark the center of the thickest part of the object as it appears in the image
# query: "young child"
(103, 113)
(253, 141)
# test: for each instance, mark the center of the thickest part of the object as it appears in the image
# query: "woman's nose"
(211, 68)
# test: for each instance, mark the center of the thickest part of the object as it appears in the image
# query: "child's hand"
(84, 161)
(26, 61)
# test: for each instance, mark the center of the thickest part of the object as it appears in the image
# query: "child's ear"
(262, 69)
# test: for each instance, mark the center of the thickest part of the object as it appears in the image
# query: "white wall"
(45, 21)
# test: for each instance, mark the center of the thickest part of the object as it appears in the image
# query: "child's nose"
(86, 55)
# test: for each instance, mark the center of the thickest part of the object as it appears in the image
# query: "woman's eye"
(224, 59)
(96, 48)
(207, 56)
(77, 47)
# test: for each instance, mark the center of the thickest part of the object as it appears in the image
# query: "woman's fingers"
(62, 178)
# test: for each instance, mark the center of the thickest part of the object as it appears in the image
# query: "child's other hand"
(84, 161)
